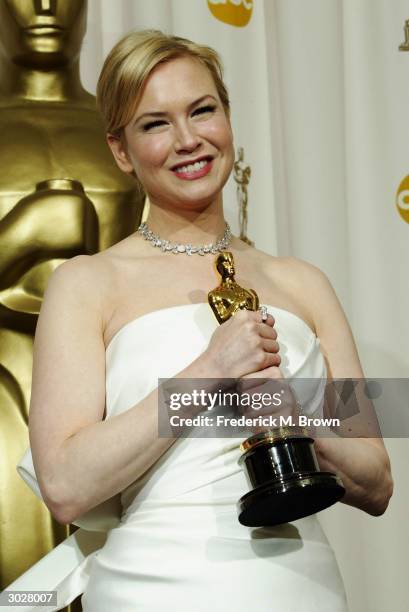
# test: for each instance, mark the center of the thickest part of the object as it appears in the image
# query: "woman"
(134, 313)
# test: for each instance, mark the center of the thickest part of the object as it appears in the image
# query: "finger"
(248, 382)
(265, 331)
(270, 346)
(255, 315)
(269, 320)
(263, 361)
(271, 372)
(257, 380)
(271, 359)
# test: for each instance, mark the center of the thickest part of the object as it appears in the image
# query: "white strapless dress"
(172, 541)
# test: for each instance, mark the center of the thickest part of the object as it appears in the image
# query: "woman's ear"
(119, 152)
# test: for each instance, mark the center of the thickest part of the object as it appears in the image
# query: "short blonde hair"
(129, 65)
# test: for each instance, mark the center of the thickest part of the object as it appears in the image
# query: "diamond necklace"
(172, 247)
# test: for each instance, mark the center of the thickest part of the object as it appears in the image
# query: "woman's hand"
(244, 345)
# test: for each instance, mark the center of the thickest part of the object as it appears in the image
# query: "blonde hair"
(131, 61)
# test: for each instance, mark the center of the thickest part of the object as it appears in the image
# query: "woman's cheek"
(222, 135)
(158, 150)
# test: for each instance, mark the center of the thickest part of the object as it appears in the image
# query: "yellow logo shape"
(402, 199)
(233, 12)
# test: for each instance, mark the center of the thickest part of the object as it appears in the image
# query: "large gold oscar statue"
(60, 195)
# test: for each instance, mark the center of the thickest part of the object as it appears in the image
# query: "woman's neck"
(187, 227)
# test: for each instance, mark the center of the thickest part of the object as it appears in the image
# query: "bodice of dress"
(161, 344)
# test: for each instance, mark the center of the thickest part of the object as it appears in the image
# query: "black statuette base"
(289, 498)
(283, 472)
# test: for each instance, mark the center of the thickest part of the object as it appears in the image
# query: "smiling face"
(42, 33)
(179, 142)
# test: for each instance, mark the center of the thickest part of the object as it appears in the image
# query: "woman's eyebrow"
(163, 114)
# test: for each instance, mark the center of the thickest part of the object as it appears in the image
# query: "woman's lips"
(194, 171)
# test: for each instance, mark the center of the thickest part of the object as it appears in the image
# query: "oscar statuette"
(280, 463)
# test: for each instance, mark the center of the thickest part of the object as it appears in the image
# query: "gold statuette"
(405, 45)
(242, 174)
(280, 463)
(61, 195)
(229, 297)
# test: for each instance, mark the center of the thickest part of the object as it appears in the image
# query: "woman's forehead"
(182, 77)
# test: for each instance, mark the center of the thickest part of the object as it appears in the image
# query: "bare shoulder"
(272, 265)
(308, 289)
(321, 300)
(331, 324)
(301, 280)
(79, 268)
(102, 268)
(288, 273)
(301, 274)
(102, 280)
(82, 273)
(291, 268)
(85, 279)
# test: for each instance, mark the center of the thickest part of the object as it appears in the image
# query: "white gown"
(174, 542)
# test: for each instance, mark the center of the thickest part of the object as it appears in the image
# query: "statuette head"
(42, 33)
(225, 265)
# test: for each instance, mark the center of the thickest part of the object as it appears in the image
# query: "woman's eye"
(152, 125)
(204, 109)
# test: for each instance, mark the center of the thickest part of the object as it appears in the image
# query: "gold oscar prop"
(241, 175)
(280, 464)
(405, 45)
(61, 195)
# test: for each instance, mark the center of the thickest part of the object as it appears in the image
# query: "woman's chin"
(195, 200)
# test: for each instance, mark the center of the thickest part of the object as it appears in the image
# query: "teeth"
(192, 167)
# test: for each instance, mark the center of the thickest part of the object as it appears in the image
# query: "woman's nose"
(186, 138)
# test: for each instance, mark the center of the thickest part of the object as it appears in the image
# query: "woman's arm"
(80, 459)
(364, 468)
(362, 463)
